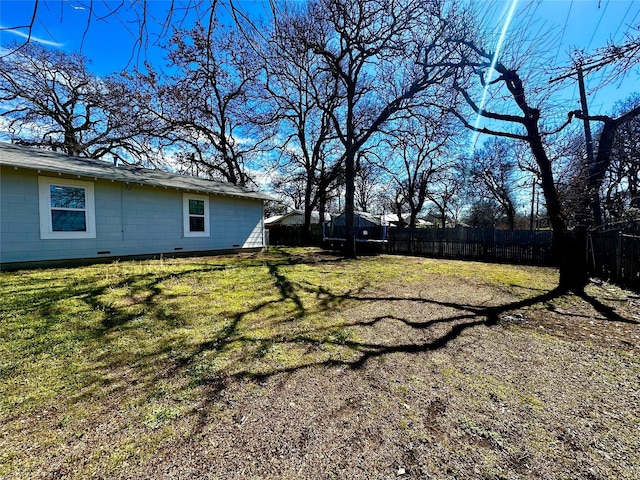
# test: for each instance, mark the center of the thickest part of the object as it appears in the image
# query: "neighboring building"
(295, 217)
(392, 220)
(368, 227)
(360, 220)
(287, 229)
(57, 207)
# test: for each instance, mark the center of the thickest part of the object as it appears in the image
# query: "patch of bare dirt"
(606, 316)
(450, 383)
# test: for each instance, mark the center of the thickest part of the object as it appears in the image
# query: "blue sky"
(109, 42)
(586, 25)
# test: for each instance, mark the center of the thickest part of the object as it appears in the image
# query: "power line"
(597, 25)
(603, 77)
(634, 19)
(625, 16)
(566, 21)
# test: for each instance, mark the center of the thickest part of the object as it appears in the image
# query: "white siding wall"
(130, 220)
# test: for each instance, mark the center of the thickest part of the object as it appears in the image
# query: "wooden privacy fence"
(532, 247)
(611, 256)
(291, 235)
(615, 257)
(362, 234)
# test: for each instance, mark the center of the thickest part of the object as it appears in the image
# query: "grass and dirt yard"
(295, 363)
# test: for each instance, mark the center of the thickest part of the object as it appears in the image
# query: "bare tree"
(295, 86)
(291, 187)
(493, 170)
(206, 111)
(446, 192)
(525, 127)
(145, 28)
(367, 183)
(522, 120)
(621, 184)
(603, 157)
(375, 52)
(51, 100)
(484, 213)
(421, 146)
(395, 202)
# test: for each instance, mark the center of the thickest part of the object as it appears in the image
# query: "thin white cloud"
(31, 38)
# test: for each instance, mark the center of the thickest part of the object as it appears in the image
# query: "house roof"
(315, 217)
(272, 219)
(393, 218)
(46, 161)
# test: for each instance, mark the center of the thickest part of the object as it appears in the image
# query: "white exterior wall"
(130, 220)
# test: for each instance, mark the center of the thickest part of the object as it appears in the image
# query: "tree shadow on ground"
(437, 333)
(468, 317)
(180, 357)
(176, 355)
(464, 318)
(608, 312)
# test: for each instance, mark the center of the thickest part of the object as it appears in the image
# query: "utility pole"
(595, 196)
(533, 201)
(585, 112)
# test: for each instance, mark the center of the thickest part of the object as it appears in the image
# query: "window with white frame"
(67, 208)
(196, 215)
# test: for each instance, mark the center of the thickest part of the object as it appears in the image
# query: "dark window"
(68, 221)
(68, 208)
(196, 207)
(67, 197)
(196, 224)
(196, 215)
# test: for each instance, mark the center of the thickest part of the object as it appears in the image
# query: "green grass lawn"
(133, 349)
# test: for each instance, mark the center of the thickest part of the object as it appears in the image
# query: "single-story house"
(58, 207)
(295, 217)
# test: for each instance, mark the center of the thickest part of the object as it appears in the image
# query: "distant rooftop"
(315, 217)
(46, 161)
